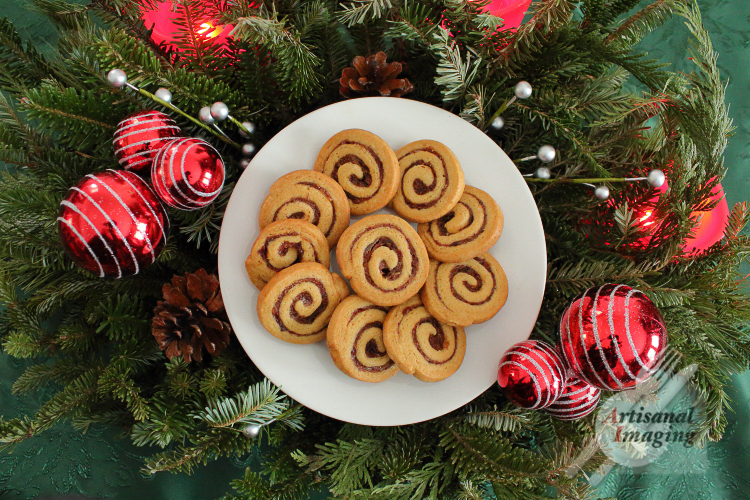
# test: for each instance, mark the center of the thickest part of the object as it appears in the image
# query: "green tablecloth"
(63, 461)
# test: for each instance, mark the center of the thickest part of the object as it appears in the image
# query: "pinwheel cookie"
(309, 196)
(298, 302)
(282, 244)
(432, 181)
(467, 292)
(355, 338)
(384, 258)
(420, 344)
(471, 227)
(364, 165)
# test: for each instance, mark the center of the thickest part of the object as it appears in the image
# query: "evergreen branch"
(362, 11)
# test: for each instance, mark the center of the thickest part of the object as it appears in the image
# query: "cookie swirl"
(355, 339)
(432, 181)
(384, 258)
(420, 345)
(467, 292)
(309, 196)
(364, 165)
(471, 227)
(282, 244)
(297, 303)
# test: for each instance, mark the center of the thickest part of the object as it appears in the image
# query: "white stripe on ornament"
(583, 340)
(598, 340)
(135, 164)
(127, 245)
(178, 203)
(553, 354)
(130, 213)
(536, 382)
(149, 129)
(68, 204)
(156, 216)
(139, 143)
(85, 243)
(578, 368)
(141, 122)
(630, 338)
(577, 391)
(539, 369)
(532, 346)
(611, 318)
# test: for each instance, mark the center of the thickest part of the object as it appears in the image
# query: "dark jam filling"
(460, 268)
(442, 221)
(371, 349)
(366, 179)
(419, 186)
(306, 299)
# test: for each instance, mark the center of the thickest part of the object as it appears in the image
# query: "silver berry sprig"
(118, 79)
(655, 178)
(522, 90)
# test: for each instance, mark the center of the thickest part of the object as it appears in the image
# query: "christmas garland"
(610, 113)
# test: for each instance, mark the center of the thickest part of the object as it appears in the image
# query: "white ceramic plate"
(306, 372)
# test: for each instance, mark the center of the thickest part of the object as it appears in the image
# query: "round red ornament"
(112, 224)
(140, 136)
(613, 337)
(578, 400)
(531, 374)
(188, 173)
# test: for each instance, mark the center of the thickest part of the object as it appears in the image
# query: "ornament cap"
(117, 78)
(523, 89)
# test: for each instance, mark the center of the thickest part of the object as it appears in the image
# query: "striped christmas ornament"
(531, 374)
(188, 173)
(112, 224)
(613, 337)
(140, 136)
(578, 400)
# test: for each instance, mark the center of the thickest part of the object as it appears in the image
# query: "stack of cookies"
(415, 291)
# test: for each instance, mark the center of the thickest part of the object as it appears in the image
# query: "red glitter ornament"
(140, 136)
(188, 174)
(578, 400)
(112, 224)
(613, 337)
(531, 374)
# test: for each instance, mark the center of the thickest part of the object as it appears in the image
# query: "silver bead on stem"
(498, 123)
(523, 90)
(248, 149)
(656, 178)
(164, 94)
(219, 111)
(244, 162)
(117, 78)
(205, 115)
(251, 431)
(542, 173)
(249, 127)
(601, 192)
(546, 153)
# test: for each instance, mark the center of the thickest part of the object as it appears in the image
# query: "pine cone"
(191, 317)
(373, 77)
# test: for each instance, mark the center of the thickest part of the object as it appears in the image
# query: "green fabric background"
(97, 465)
